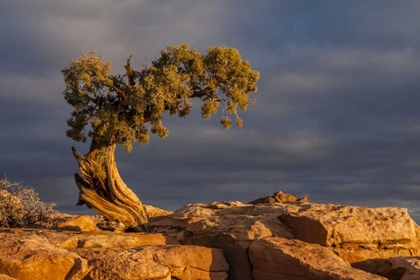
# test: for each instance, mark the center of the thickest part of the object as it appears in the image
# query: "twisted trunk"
(103, 190)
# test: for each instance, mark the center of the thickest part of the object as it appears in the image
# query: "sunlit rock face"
(352, 233)
(280, 258)
(51, 254)
(291, 239)
(34, 257)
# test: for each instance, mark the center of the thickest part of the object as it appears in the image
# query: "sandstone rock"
(279, 258)
(239, 264)
(153, 211)
(193, 262)
(59, 218)
(355, 233)
(33, 257)
(79, 223)
(5, 277)
(121, 264)
(359, 252)
(279, 197)
(401, 268)
(233, 219)
(116, 240)
(156, 262)
(228, 226)
(207, 209)
(29, 254)
(97, 239)
(254, 238)
(336, 225)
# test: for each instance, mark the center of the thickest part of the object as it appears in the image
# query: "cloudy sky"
(337, 115)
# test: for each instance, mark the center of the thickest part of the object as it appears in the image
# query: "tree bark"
(103, 190)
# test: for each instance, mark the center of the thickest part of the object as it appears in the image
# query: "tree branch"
(129, 71)
(199, 92)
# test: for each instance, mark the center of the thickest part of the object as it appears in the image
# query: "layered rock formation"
(354, 234)
(291, 239)
(51, 254)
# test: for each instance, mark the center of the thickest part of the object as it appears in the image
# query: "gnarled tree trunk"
(103, 190)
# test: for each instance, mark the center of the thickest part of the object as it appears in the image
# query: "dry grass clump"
(21, 206)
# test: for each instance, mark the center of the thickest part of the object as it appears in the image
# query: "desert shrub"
(20, 205)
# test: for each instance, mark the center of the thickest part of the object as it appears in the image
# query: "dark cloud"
(337, 113)
(285, 25)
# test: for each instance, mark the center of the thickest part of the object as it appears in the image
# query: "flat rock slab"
(32, 254)
(234, 219)
(355, 233)
(156, 262)
(278, 258)
(100, 239)
(117, 240)
(324, 224)
(401, 268)
(33, 257)
(262, 241)
(334, 225)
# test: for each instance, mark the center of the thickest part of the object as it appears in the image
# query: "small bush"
(21, 206)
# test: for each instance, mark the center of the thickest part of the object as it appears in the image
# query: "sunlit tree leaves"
(113, 109)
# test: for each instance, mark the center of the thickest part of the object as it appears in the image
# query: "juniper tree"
(116, 110)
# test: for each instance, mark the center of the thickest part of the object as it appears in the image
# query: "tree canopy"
(114, 109)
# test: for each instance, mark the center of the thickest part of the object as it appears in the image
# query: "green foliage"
(20, 206)
(117, 107)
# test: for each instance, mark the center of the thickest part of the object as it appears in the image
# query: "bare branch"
(129, 71)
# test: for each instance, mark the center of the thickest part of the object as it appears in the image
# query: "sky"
(337, 114)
